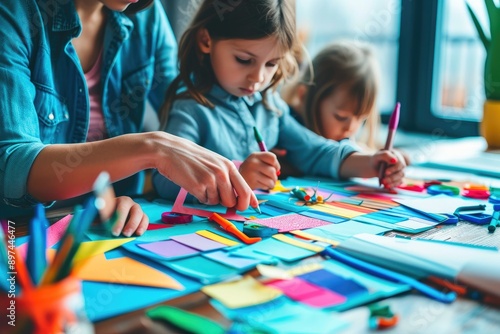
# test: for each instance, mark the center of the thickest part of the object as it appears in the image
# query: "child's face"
(243, 67)
(337, 115)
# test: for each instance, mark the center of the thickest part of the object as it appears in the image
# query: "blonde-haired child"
(230, 63)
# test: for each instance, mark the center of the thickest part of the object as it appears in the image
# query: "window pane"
(372, 21)
(459, 63)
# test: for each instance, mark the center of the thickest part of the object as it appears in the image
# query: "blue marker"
(36, 259)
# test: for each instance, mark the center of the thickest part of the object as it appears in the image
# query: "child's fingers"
(135, 217)
(143, 225)
(393, 180)
(265, 183)
(270, 159)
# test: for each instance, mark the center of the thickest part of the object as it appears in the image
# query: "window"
(321, 22)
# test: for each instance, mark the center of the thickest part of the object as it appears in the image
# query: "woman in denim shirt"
(70, 67)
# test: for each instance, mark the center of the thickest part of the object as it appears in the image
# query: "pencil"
(393, 125)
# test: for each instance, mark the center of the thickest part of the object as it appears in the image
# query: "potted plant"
(490, 125)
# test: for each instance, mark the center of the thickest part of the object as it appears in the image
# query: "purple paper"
(198, 242)
(168, 248)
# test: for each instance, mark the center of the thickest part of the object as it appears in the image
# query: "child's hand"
(260, 170)
(131, 218)
(394, 171)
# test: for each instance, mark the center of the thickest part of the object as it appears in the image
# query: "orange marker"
(229, 227)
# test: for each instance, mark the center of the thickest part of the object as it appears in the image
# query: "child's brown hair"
(244, 19)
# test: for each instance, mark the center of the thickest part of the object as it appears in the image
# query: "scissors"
(478, 218)
(450, 219)
(494, 199)
(476, 193)
(437, 189)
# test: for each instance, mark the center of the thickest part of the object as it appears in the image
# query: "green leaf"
(480, 30)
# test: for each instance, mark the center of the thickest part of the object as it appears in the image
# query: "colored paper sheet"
(152, 227)
(291, 222)
(180, 208)
(196, 241)
(309, 294)
(332, 209)
(203, 269)
(217, 238)
(168, 249)
(352, 207)
(225, 258)
(298, 243)
(241, 293)
(92, 248)
(283, 315)
(124, 271)
(346, 230)
(323, 216)
(310, 236)
(286, 205)
(54, 234)
(338, 284)
(275, 248)
(439, 204)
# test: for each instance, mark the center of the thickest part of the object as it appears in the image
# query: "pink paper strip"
(290, 222)
(180, 208)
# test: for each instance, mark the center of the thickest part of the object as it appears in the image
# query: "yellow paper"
(273, 272)
(242, 293)
(297, 243)
(337, 211)
(93, 248)
(307, 268)
(218, 238)
(315, 237)
(123, 271)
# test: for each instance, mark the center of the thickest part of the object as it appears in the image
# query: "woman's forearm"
(63, 171)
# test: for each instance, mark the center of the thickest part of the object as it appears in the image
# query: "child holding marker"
(336, 96)
(229, 67)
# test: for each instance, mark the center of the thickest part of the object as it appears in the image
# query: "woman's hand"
(208, 176)
(131, 218)
(260, 170)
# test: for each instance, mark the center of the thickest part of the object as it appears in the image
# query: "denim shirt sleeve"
(165, 67)
(311, 153)
(19, 132)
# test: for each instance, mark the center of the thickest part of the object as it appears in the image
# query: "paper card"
(338, 284)
(217, 238)
(274, 248)
(309, 294)
(180, 208)
(196, 241)
(323, 216)
(239, 263)
(123, 271)
(203, 269)
(242, 293)
(335, 210)
(152, 227)
(91, 248)
(291, 222)
(54, 234)
(283, 315)
(168, 249)
(438, 204)
(298, 243)
(348, 229)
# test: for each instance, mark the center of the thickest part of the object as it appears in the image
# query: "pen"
(393, 125)
(260, 141)
(495, 218)
(36, 260)
(229, 227)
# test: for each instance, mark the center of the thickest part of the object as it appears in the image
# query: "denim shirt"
(228, 130)
(43, 93)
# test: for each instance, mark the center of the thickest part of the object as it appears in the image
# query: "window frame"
(420, 30)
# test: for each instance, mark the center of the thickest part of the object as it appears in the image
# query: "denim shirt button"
(80, 90)
(66, 115)
(51, 116)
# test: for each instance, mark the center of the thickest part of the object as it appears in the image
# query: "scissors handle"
(389, 275)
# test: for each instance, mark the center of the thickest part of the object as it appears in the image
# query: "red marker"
(393, 125)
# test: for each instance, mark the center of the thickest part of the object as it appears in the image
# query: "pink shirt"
(97, 128)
